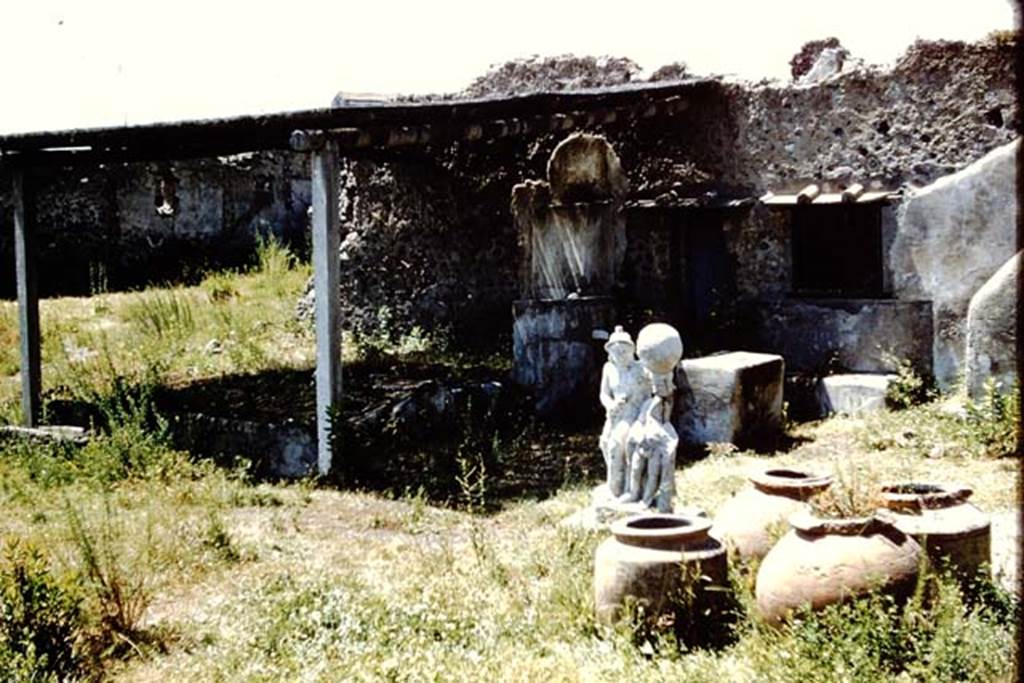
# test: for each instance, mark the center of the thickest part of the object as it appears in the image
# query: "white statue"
(623, 390)
(652, 440)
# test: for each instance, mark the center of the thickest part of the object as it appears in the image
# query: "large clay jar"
(747, 523)
(940, 519)
(662, 562)
(820, 562)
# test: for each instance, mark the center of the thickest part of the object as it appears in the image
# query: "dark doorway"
(705, 298)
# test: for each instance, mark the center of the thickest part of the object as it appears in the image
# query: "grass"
(248, 581)
(230, 323)
(147, 564)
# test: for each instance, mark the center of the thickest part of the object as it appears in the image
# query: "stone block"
(731, 397)
(44, 433)
(853, 394)
(277, 450)
(857, 335)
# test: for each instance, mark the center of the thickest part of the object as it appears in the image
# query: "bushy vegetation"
(910, 388)
(41, 622)
(938, 636)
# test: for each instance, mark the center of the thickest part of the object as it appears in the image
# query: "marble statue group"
(638, 441)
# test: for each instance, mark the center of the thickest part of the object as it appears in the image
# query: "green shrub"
(40, 619)
(994, 421)
(910, 388)
(131, 443)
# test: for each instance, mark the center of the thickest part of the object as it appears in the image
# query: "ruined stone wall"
(435, 237)
(943, 106)
(99, 227)
(419, 249)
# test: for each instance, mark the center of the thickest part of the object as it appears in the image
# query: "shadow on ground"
(457, 434)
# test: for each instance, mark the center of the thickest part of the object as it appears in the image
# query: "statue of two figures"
(638, 440)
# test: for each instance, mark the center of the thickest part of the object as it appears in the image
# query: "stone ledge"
(68, 433)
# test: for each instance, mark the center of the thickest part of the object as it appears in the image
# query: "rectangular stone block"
(731, 397)
(853, 394)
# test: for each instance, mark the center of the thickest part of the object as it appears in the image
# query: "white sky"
(70, 64)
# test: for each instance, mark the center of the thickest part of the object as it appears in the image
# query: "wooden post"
(28, 301)
(326, 278)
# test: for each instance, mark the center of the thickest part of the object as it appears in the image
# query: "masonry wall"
(99, 228)
(942, 106)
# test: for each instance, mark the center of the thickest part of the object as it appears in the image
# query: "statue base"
(605, 509)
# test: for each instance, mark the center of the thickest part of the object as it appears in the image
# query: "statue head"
(619, 346)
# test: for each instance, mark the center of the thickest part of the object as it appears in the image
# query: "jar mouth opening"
(790, 482)
(917, 494)
(788, 474)
(658, 523)
(660, 530)
(808, 522)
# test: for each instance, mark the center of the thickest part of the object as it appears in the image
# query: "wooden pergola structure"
(356, 129)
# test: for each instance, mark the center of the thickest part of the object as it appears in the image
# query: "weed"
(471, 478)
(994, 421)
(273, 259)
(120, 599)
(1001, 37)
(384, 342)
(165, 314)
(98, 283)
(855, 492)
(722, 449)
(218, 539)
(935, 637)
(40, 619)
(220, 287)
(10, 359)
(910, 387)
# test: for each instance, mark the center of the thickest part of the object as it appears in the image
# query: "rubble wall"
(99, 228)
(943, 106)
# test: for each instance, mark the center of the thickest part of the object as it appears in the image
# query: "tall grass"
(166, 314)
(119, 597)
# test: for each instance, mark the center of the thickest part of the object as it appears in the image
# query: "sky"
(73, 64)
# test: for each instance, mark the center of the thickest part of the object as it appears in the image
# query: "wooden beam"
(852, 193)
(808, 194)
(28, 301)
(326, 279)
